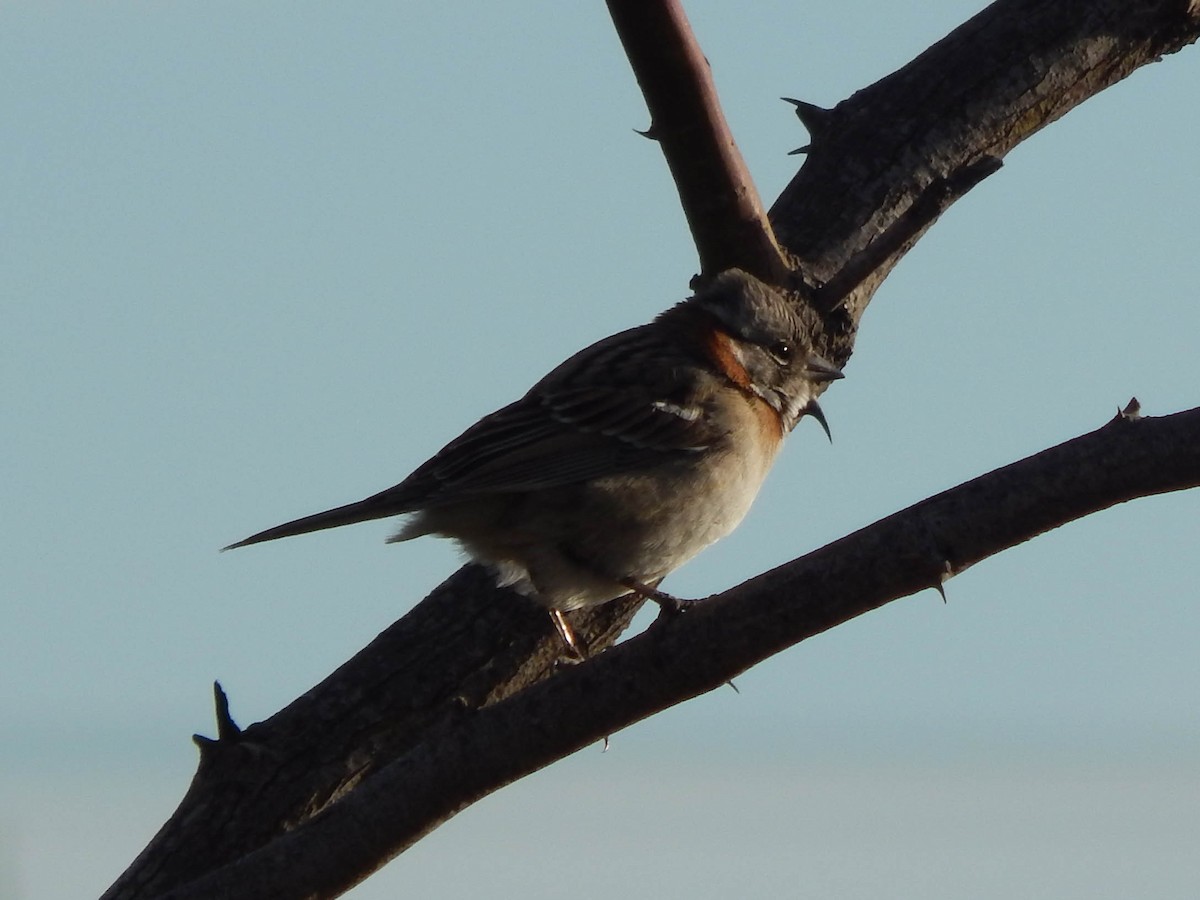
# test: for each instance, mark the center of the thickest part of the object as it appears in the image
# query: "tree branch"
(983, 89)
(469, 655)
(471, 755)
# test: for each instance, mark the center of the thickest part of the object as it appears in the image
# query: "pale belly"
(572, 546)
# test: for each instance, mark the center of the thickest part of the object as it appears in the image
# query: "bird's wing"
(572, 427)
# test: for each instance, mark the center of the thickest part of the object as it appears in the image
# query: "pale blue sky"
(260, 260)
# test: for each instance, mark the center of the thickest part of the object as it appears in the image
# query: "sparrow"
(623, 462)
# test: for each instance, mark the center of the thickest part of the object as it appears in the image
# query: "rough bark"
(466, 756)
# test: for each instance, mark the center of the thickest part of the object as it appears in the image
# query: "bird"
(623, 462)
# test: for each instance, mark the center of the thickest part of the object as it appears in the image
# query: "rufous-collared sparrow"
(625, 461)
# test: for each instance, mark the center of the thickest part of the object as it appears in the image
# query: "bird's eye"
(781, 352)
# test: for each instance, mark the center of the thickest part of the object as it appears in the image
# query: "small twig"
(934, 200)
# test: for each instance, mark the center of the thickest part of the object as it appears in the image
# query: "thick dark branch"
(464, 646)
(467, 757)
(987, 86)
(726, 217)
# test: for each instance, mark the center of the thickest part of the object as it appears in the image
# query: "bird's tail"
(362, 511)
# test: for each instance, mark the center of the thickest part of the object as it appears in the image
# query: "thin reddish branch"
(723, 209)
(915, 549)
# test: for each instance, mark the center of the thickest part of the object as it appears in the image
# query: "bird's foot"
(667, 603)
(575, 651)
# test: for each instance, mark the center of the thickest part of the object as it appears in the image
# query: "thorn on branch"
(800, 150)
(946, 573)
(813, 409)
(208, 746)
(650, 134)
(816, 119)
(228, 732)
(227, 729)
(1132, 411)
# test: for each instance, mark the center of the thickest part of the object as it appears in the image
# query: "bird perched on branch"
(622, 463)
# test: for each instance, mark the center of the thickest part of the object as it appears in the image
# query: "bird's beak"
(820, 370)
(813, 408)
